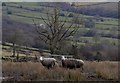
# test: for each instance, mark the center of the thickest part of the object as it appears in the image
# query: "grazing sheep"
(79, 63)
(72, 63)
(67, 63)
(48, 62)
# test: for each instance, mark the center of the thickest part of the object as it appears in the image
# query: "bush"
(98, 56)
(98, 18)
(70, 15)
(38, 9)
(77, 20)
(61, 14)
(98, 74)
(9, 12)
(89, 23)
(91, 33)
(20, 6)
(72, 4)
(3, 4)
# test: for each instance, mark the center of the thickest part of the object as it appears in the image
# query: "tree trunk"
(18, 51)
(17, 56)
(52, 48)
(13, 50)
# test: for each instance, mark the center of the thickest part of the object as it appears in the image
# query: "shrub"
(70, 15)
(9, 12)
(89, 23)
(3, 4)
(72, 4)
(78, 20)
(98, 56)
(20, 6)
(98, 74)
(38, 9)
(91, 33)
(61, 14)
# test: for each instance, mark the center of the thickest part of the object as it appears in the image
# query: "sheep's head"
(41, 58)
(80, 60)
(54, 59)
(63, 57)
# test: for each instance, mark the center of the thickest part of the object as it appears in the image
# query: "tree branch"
(41, 33)
(65, 32)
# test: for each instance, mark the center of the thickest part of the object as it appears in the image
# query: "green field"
(26, 15)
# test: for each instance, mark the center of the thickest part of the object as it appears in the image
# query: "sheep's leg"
(53, 64)
(75, 66)
(82, 69)
(48, 67)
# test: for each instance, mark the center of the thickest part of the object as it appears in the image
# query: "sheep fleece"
(48, 63)
(71, 63)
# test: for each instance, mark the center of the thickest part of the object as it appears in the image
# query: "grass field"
(7, 50)
(106, 70)
(107, 5)
(109, 23)
(15, 8)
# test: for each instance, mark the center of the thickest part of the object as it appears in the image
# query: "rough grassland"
(105, 70)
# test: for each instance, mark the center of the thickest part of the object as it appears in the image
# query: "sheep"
(48, 62)
(72, 63)
(68, 63)
(79, 63)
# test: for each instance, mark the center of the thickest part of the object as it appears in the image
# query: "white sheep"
(48, 62)
(68, 63)
(80, 63)
(72, 63)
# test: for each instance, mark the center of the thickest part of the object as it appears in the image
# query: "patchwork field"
(26, 12)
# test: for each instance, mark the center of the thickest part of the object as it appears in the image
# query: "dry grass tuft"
(104, 69)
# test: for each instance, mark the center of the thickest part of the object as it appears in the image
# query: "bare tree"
(56, 30)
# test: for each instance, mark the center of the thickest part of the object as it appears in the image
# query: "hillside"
(20, 16)
(106, 5)
(105, 9)
(26, 14)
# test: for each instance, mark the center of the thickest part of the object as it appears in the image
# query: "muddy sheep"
(48, 62)
(72, 63)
